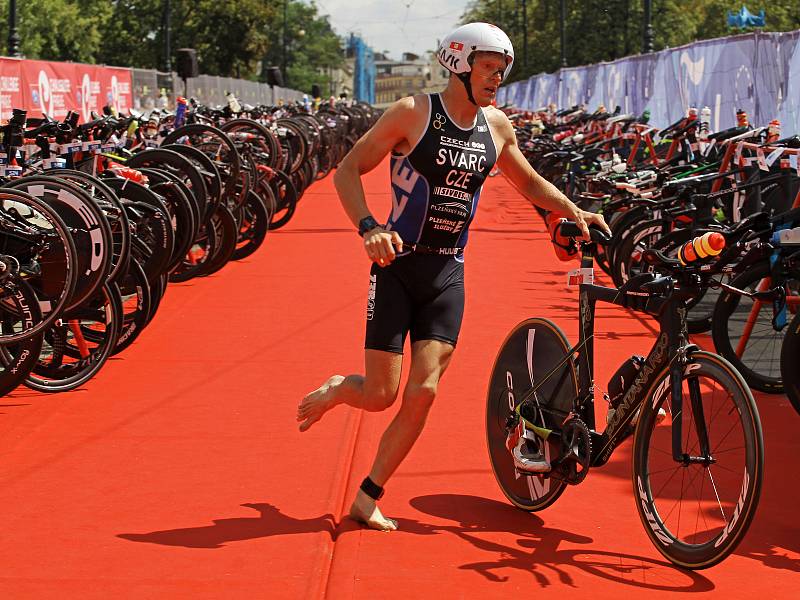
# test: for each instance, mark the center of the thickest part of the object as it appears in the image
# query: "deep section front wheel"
(697, 509)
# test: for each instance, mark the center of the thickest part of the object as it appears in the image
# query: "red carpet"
(179, 472)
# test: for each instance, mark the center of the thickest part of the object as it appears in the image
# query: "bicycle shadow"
(774, 557)
(537, 550)
(270, 522)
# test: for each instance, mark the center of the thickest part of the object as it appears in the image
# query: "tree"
(231, 37)
(310, 54)
(67, 30)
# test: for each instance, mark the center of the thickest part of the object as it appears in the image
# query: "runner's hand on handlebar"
(380, 245)
(584, 219)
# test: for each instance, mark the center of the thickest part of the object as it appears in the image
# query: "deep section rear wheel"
(532, 349)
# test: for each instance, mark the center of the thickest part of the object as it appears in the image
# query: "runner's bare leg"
(429, 359)
(374, 391)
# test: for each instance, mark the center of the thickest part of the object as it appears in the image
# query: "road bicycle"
(698, 451)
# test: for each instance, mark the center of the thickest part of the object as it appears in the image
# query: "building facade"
(400, 78)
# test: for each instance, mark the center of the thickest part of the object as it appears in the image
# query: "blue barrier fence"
(757, 72)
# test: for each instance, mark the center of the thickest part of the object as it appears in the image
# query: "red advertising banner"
(11, 95)
(97, 87)
(54, 88)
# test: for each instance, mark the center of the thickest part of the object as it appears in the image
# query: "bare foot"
(366, 511)
(317, 403)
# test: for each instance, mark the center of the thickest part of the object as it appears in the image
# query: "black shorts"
(420, 293)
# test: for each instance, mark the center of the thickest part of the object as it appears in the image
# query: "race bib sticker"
(10, 171)
(91, 146)
(54, 163)
(579, 276)
(71, 148)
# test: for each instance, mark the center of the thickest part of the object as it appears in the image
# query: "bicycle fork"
(680, 368)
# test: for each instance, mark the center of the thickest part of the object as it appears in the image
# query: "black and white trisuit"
(435, 192)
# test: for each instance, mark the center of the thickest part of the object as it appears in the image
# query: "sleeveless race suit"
(435, 193)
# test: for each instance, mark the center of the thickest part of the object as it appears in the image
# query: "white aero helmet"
(456, 48)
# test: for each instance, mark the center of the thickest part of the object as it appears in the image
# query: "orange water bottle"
(708, 244)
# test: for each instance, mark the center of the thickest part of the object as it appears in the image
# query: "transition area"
(179, 472)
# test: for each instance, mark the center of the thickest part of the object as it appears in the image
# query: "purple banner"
(758, 72)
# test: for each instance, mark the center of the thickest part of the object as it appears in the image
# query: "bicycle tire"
(51, 372)
(89, 228)
(183, 218)
(18, 311)
(208, 169)
(253, 227)
(180, 167)
(114, 211)
(286, 198)
(211, 141)
(730, 313)
(790, 359)
(136, 301)
(627, 258)
(224, 223)
(55, 280)
(707, 547)
(518, 360)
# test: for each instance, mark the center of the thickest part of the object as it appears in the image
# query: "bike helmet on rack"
(455, 51)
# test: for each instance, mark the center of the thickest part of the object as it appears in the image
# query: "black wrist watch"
(367, 224)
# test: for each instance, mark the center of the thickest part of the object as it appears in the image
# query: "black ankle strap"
(371, 489)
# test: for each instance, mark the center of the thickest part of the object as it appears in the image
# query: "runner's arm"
(533, 186)
(391, 129)
(368, 152)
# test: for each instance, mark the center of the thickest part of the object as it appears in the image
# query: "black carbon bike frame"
(671, 349)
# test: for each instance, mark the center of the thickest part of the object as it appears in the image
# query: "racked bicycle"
(698, 450)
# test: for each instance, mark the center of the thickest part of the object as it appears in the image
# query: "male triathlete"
(442, 148)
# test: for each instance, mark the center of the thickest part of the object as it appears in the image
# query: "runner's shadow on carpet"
(271, 521)
(537, 550)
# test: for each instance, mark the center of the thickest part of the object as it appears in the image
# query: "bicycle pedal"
(519, 473)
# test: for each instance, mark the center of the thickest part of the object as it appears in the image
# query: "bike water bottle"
(705, 123)
(180, 111)
(621, 382)
(233, 103)
(773, 131)
(708, 244)
(741, 118)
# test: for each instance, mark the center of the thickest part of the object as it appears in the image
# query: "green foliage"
(233, 38)
(67, 30)
(312, 47)
(599, 30)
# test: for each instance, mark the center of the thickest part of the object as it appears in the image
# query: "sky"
(397, 26)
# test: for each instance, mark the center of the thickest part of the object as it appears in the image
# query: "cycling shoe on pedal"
(525, 452)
